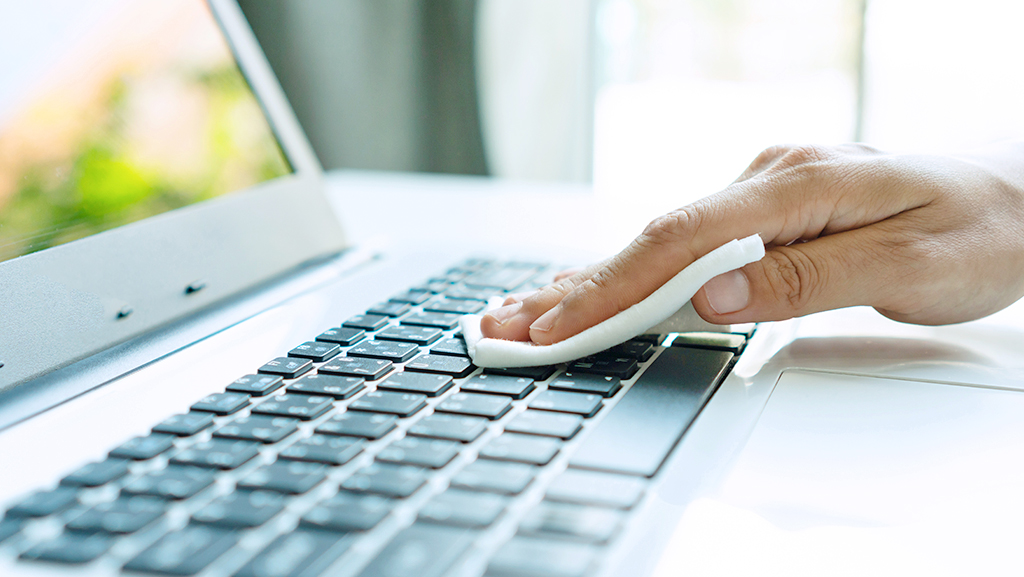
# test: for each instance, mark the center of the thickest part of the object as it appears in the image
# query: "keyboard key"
(366, 322)
(523, 556)
(349, 512)
(463, 293)
(43, 503)
(303, 407)
(327, 386)
(444, 321)
(222, 403)
(390, 309)
(495, 477)
(71, 548)
(591, 488)
(455, 347)
(185, 425)
(258, 428)
(618, 367)
(412, 297)
(423, 383)
(654, 339)
(9, 528)
(541, 373)
(298, 554)
(388, 480)
(505, 278)
(217, 454)
(561, 520)
(369, 369)
(241, 509)
(423, 550)
(563, 402)
(324, 449)
(171, 483)
(317, 352)
(490, 406)
(463, 509)
(729, 342)
(394, 351)
(292, 477)
(420, 452)
(256, 385)
(141, 448)
(421, 336)
(457, 306)
(441, 364)
(522, 449)
(515, 387)
(451, 427)
(586, 383)
(121, 516)
(286, 367)
(96, 474)
(401, 404)
(343, 336)
(546, 424)
(434, 285)
(639, 350)
(186, 551)
(367, 425)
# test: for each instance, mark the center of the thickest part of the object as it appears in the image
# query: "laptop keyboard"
(380, 441)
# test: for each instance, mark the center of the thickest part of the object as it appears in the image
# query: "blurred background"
(652, 102)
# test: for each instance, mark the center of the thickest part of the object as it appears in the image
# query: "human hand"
(923, 239)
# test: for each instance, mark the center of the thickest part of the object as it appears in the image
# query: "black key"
(217, 454)
(457, 367)
(436, 320)
(222, 403)
(729, 342)
(521, 449)
(654, 339)
(369, 369)
(327, 386)
(585, 383)
(96, 474)
(423, 383)
(434, 285)
(366, 322)
(490, 406)
(457, 306)
(324, 449)
(515, 387)
(292, 477)
(546, 424)
(256, 385)
(541, 373)
(317, 352)
(503, 278)
(618, 367)
(258, 428)
(495, 477)
(388, 480)
(421, 336)
(286, 367)
(463, 509)
(420, 452)
(552, 558)
(9, 528)
(563, 402)
(637, 435)
(592, 488)
(71, 548)
(401, 404)
(639, 350)
(303, 407)
(367, 425)
(421, 550)
(121, 516)
(413, 297)
(141, 448)
(343, 336)
(349, 512)
(452, 427)
(394, 351)
(390, 309)
(574, 521)
(298, 554)
(241, 509)
(170, 483)
(43, 503)
(186, 551)
(468, 294)
(455, 347)
(185, 425)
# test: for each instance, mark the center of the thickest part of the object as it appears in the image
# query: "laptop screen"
(112, 111)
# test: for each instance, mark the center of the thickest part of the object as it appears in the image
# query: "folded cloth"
(629, 323)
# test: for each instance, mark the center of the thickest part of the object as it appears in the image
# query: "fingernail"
(506, 312)
(546, 320)
(729, 292)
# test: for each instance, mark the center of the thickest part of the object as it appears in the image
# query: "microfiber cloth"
(662, 304)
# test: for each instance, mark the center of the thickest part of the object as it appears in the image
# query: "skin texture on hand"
(924, 239)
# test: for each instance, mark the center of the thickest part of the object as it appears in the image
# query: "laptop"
(203, 375)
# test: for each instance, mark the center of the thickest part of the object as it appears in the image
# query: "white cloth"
(629, 323)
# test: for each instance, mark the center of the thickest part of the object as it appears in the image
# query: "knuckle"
(805, 154)
(793, 278)
(669, 229)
